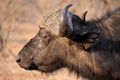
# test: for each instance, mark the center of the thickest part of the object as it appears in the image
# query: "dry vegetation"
(19, 21)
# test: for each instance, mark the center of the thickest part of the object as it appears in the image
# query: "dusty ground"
(19, 21)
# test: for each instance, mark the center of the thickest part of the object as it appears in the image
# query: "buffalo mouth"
(44, 68)
(32, 67)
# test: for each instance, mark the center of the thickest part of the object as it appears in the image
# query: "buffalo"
(89, 48)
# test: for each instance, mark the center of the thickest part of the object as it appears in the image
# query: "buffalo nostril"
(18, 60)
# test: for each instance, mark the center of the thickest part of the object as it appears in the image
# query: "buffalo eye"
(44, 35)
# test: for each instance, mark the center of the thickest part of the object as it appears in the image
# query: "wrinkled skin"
(42, 45)
(92, 56)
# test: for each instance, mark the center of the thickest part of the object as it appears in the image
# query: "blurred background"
(19, 21)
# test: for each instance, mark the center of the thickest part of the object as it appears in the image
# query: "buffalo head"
(91, 48)
(56, 42)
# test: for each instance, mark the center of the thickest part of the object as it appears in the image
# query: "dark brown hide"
(99, 61)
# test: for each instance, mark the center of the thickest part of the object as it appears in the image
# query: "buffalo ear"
(89, 38)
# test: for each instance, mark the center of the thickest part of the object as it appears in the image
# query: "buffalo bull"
(90, 48)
